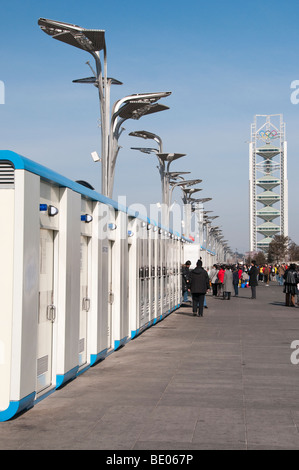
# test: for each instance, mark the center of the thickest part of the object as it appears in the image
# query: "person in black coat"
(186, 280)
(236, 281)
(253, 282)
(199, 284)
(290, 285)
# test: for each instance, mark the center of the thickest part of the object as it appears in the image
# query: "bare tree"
(260, 258)
(293, 251)
(278, 249)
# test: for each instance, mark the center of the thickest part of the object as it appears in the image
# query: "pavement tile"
(221, 382)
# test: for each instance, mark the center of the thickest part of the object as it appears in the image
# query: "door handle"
(110, 297)
(51, 313)
(86, 304)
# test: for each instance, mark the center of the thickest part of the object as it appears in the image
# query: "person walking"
(236, 281)
(261, 274)
(280, 274)
(290, 285)
(253, 281)
(266, 275)
(244, 278)
(228, 283)
(186, 280)
(213, 275)
(240, 272)
(199, 284)
(220, 280)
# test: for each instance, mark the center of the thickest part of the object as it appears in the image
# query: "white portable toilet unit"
(80, 276)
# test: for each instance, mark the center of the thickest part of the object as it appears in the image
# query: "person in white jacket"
(213, 276)
(228, 286)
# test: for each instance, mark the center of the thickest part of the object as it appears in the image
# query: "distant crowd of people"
(225, 280)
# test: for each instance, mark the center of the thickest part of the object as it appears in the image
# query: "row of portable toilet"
(80, 276)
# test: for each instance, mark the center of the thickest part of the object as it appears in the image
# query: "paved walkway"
(224, 381)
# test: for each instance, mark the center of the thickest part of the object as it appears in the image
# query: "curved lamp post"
(148, 135)
(164, 159)
(199, 201)
(147, 150)
(184, 184)
(185, 187)
(130, 107)
(198, 207)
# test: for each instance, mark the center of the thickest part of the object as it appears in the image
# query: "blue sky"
(224, 62)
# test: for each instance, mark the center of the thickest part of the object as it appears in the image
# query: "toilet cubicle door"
(168, 267)
(141, 290)
(84, 300)
(47, 311)
(147, 278)
(171, 261)
(110, 293)
(153, 277)
(164, 279)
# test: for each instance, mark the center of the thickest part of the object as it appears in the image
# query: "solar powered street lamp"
(187, 193)
(197, 206)
(90, 40)
(184, 183)
(167, 177)
(165, 159)
(176, 174)
(200, 200)
(130, 107)
(148, 135)
(138, 105)
(93, 42)
(147, 150)
(185, 187)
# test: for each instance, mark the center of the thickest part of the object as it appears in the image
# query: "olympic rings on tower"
(266, 135)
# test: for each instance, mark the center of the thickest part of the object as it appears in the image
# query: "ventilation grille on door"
(42, 365)
(81, 345)
(7, 175)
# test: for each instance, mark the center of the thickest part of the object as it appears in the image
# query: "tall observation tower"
(268, 183)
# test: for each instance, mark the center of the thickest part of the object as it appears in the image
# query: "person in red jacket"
(220, 280)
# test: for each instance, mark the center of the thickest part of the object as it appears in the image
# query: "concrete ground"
(223, 381)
